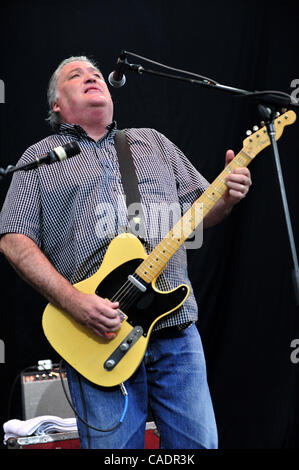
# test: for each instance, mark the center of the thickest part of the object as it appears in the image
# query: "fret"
(220, 191)
(171, 249)
(227, 168)
(242, 162)
(247, 155)
(166, 240)
(205, 206)
(143, 274)
(207, 202)
(150, 263)
(198, 209)
(212, 196)
(162, 254)
(176, 240)
(242, 158)
(171, 237)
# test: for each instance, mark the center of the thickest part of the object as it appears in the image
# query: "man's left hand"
(238, 182)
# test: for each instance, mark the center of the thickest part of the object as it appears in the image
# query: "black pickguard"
(141, 308)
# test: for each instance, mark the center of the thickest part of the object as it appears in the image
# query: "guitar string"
(121, 290)
(124, 292)
(127, 295)
(129, 300)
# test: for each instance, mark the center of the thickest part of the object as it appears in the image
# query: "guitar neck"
(156, 261)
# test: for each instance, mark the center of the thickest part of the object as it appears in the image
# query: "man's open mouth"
(92, 89)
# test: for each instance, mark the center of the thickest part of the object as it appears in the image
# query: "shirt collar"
(76, 131)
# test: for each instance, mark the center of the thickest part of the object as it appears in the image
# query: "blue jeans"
(172, 379)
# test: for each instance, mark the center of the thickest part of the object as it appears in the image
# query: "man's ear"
(56, 107)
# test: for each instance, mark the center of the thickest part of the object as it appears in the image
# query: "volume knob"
(110, 364)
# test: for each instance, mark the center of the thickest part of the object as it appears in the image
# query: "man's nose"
(90, 79)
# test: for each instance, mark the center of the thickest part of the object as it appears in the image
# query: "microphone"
(117, 78)
(57, 154)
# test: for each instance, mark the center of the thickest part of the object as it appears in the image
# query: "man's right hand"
(98, 314)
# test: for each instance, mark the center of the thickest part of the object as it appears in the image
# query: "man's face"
(82, 92)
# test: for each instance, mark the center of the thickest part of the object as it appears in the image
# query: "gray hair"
(54, 117)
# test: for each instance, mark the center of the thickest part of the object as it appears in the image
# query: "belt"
(184, 326)
(174, 328)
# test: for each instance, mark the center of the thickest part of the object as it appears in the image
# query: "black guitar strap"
(130, 184)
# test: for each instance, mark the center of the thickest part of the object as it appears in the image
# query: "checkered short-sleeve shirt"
(72, 209)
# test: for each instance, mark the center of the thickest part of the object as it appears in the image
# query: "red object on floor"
(151, 437)
(70, 440)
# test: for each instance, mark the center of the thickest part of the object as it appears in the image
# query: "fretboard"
(156, 261)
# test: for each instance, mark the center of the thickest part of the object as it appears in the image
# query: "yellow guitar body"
(83, 349)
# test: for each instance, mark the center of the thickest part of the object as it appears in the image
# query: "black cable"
(172, 68)
(84, 408)
(80, 417)
(278, 95)
(267, 92)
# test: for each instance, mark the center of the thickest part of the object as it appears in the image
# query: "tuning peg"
(277, 114)
(248, 132)
(283, 110)
(262, 123)
(255, 128)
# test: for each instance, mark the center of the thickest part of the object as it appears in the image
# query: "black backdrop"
(242, 274)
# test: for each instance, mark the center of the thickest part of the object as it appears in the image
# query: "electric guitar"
(128, 275)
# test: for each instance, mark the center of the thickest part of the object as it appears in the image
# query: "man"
(48, 226)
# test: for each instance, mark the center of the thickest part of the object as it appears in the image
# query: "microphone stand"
(57, 154)
(12, 169)
(268, 117)
(5, 171)
(265, 99)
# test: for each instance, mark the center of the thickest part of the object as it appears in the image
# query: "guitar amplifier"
(42, 393)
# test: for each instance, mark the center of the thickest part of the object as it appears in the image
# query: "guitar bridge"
(123, 348)
(121, 315)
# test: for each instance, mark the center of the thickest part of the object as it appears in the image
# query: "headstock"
(257, 141)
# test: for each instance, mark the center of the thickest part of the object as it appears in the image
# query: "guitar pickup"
(123, 348)
(137, 283)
